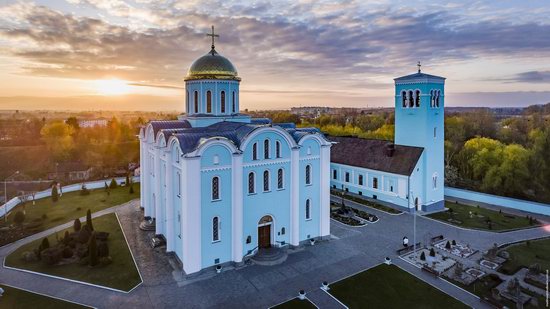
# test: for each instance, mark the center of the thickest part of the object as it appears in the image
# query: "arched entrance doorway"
(264, 232)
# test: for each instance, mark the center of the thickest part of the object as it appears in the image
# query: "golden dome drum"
(212, 66)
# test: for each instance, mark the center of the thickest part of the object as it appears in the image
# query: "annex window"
(215, 188)
(251, 183)
(277, 149)
(417, 98)
(266, 149)
(280, 178)
(209, 101)
(360, 180)
(334, 174)
(255, 151)
(375, 183)
(266, 180)
(233, 102)
(404, 98)
(222, 101)
(411, 99)
(215, 229)
(308, 209)
(347, 176)
(196, 101)
(438, 94)
(308, 174)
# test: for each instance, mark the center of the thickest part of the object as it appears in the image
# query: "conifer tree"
(89, 220)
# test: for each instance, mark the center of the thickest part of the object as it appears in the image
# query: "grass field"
(295, 303)
(121, 274)
(69, 207)
(14, 298)
(526, 254)
(460, 215)
(387, 286)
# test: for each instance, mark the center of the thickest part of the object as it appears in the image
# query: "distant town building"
(90, 123)
(70, 171)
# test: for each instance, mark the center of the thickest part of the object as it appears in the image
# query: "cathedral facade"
(221, 185)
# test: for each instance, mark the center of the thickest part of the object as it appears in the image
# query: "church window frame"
(196, 101)
(222, 102)
(308, 175)
(278, 149)
(216, 194)
(360, 180)
(280, 179)
(251, 183)
(266, 149)
(234, 104)
(255, 151)
(375, 182)
(216, 229)
(209, 102)
(347, 177)
(266, 181)
(308, 209)
(404, 99)
(437, 98)
(411, 99)
(334, 174)
(417, 98)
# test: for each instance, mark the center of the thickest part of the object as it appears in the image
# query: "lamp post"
(6, 195)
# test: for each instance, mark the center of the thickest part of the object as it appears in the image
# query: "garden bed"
(346, 220)
(366, 202)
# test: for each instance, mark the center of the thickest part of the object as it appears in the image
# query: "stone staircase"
(270, 256)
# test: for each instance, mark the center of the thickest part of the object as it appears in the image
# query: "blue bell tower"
(419, 122)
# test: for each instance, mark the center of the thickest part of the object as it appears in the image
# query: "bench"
(407, 249)
(437, 238)
(430, 270)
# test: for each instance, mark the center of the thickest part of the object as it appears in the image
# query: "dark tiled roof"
(417, 75)
(169, 124)
(371, 154)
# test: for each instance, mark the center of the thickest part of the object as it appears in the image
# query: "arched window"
(233, 102)
(266, 180)
(375, 183)
(417, 101)
(437, 98)
(277, 149)
(209, 102)
(196, 101)
(266, 149)
(431, 98)
(280, 178)
(255, 151)
(411, 99)
(360, 180)
(283, 231)
(216, 188)
(251, 183)
(187, 102)
(215, 229)
(216, 160)
(347, 176)
(308, 174)
(404, 98)
(308, 209)
(222, 101)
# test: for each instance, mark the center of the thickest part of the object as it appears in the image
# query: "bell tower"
(419, 122)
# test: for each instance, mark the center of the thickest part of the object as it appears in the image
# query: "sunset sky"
(134, 54)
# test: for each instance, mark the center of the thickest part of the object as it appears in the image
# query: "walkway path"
(352, 249)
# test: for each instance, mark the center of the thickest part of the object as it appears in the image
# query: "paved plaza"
(351, 250)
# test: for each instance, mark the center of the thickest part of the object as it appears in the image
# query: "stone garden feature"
(430, 259)
(455, 248)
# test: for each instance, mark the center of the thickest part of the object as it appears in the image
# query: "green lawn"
(296, 303)
(14, 298)
(121, 274)
(526, 254)
(387, 286)
(69, 207)
(499, 221)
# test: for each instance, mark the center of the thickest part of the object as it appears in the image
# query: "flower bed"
(346, 220)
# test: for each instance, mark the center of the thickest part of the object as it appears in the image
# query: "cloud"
(532, 77)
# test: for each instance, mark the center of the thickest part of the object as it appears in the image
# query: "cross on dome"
(418, 65)
(213, 35)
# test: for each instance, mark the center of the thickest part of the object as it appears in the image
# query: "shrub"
(84, 190)
(44, 216)
(66, 238)
(113, 184)
(67, 253)
(103, 249)
(78, 208)
(77, 225)
(29, 256)
(19, 217)
(454, 242)
(55, 194)
(84, 235)
(89, 220)
(432, 252)
(51, 256)
(105, 260)
(92, 251)
(448, 245)
(423, 256)
(131, 188)
(45, 244)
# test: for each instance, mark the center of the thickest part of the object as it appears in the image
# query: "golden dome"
(212, 66)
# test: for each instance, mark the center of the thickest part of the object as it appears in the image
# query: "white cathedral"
(221, 185)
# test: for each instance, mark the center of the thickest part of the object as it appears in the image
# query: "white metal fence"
(97, 184)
